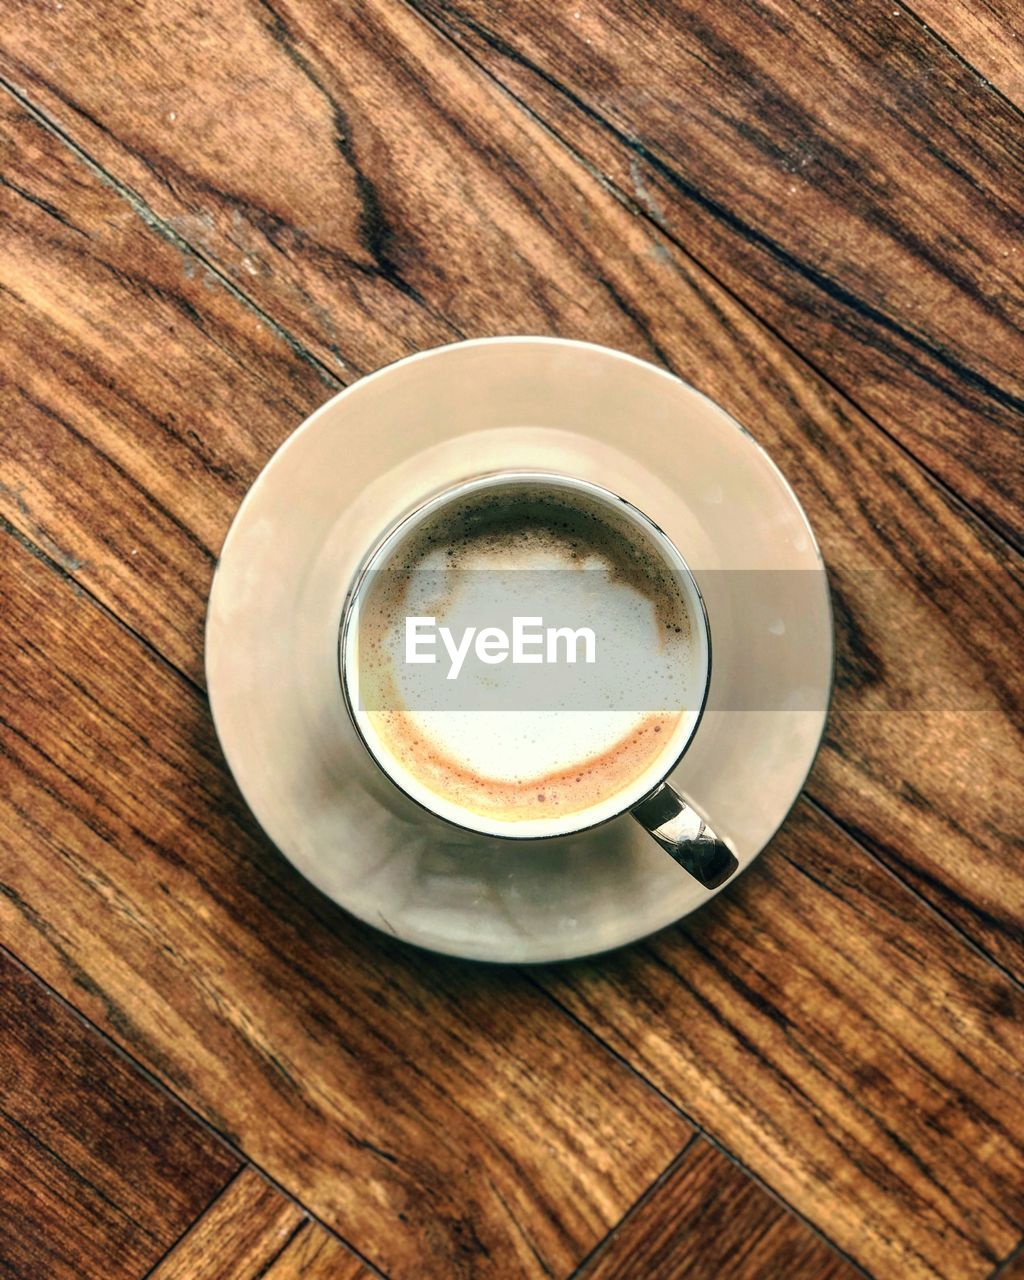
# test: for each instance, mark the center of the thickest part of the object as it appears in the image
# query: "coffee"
(557, 659)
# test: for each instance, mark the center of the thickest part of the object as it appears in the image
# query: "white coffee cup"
(452, 759)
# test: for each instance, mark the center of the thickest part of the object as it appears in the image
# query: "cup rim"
(432, 502)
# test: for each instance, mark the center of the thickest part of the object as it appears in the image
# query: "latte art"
(526, 656)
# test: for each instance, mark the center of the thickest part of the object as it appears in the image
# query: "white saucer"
(419, 426)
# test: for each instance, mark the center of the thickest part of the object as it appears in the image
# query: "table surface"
(215, 215)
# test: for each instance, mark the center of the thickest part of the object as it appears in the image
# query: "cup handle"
(685, 835)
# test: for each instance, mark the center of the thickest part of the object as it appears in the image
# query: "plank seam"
(636, 1206)
(292, 1236)
(33, 548)
(155, 223)
(216, 1198)
(76, 1174)
(961, 58)
(1016, 1252)
(780, 1200)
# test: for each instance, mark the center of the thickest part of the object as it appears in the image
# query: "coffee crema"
(520, 745)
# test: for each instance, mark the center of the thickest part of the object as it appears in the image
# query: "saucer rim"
(329, 407)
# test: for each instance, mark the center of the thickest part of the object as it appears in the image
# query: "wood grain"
(239, 1237)
(55, 1225)
(989, 34)
(101, 1171)
(836, 167)
(867, 1080)
(253, 1232)
(315, 1255)
(709, 1219)
(285, 197)
(443, 1118)
(852, 1050)
(156, 429)
(928, 699)
(832, 1034)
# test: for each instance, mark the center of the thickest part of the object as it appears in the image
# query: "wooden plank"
(837, 168)
(989, 34)
(239, 1237)
(315, 1255)
(446, 1119)
(54, 1224)
(928, 618)
(710, 1219)
(101, 1171)
(98, 1115)
(829, 1030)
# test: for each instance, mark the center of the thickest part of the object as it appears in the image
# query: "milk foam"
(465, 563)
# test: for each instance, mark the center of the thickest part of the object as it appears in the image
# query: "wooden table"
(215, 215)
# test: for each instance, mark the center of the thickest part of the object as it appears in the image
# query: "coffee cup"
(526, 655)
